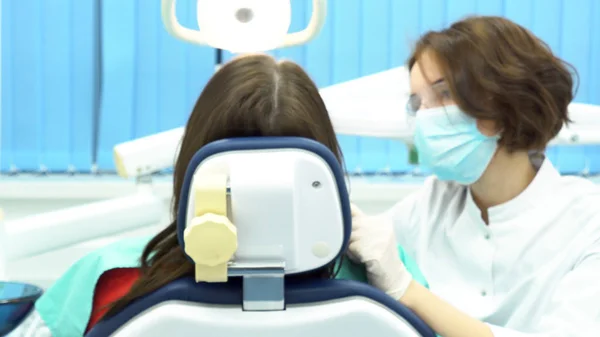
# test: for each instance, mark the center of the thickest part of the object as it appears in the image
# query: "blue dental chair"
(288, 200)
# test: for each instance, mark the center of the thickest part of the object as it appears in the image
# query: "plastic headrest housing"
(288, 200)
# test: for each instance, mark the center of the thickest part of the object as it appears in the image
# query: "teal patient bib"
(66, 306)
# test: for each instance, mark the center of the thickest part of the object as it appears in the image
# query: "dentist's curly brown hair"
(498, 70)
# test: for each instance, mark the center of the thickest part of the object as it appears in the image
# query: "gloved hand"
(373, 243)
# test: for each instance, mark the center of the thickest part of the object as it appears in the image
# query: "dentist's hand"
(373, 243)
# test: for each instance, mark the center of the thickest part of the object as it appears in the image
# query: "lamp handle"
(169, 19)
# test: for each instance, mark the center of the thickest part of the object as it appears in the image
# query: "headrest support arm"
(263, 288)
(212, 241)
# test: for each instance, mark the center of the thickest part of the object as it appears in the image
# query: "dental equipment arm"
(147, 155)
(316, 23)
(173, 27)
(157, 152)
(45, 232)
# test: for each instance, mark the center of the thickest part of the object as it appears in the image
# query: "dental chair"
(253, 213)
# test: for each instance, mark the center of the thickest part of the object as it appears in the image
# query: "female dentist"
(508, 246)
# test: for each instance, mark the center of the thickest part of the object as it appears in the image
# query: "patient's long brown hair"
(249, 96)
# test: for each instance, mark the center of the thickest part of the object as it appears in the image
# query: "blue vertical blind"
(80, 76)
(48, 84)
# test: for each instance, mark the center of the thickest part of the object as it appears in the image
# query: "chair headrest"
(264, 201)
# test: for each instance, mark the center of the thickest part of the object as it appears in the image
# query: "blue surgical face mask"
(450, 145)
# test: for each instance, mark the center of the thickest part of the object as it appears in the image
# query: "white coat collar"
(533, 195)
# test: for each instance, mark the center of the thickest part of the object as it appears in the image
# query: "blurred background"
(79, 76)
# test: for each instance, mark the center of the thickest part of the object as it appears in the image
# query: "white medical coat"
(533, 271)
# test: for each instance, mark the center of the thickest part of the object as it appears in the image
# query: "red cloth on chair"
(111, 286)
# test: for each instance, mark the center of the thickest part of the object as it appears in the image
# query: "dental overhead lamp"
(244, 26)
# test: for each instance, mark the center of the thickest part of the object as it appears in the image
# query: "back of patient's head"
(255, 96)
(249, 96)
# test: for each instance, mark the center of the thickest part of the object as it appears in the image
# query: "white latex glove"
(373, 243)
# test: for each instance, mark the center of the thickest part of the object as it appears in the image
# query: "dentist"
(509, 247)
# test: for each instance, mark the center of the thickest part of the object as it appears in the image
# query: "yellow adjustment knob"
(210, 240)
(210, 194)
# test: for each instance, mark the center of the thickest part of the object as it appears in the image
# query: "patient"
(250, 96)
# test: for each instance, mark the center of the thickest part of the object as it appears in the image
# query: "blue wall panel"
(575, 22)
(344, 17)
(405, 26)
(48, 66)
(593, 152)
(150, 80)
(375, 56)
